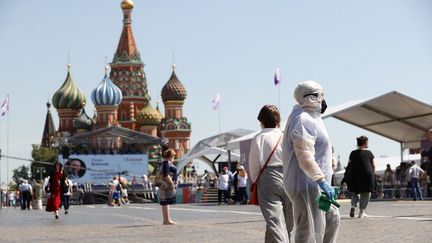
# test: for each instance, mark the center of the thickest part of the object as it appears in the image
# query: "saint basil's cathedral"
(124, 120)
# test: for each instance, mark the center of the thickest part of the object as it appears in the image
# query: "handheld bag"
(254, 187)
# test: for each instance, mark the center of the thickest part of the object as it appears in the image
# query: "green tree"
(20, 173)
(45, 155)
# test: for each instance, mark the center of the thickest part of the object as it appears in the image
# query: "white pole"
(0, 158)
(219, 115)
(279, 98)
(7, 147)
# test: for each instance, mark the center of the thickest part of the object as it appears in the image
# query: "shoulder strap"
(268, 159)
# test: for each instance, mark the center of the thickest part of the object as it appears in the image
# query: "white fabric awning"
(393, 115)
(214, 145)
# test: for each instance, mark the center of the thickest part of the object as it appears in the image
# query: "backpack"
(159, 176)
(66, 186)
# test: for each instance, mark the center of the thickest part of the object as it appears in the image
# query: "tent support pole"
(401, 152)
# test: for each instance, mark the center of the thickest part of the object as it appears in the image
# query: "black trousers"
(225, 194)
(66, 202)
(25, 199)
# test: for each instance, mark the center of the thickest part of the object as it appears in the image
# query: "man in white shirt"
(25, 195)
(415, 172)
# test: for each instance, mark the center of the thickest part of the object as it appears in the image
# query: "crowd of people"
(58, 187)
(118, 194)
(292, 169)
(402, 182)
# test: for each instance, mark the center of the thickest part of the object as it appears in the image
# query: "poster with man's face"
(75, 168)
(100, 168)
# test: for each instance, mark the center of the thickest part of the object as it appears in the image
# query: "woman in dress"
(360, 174)
(168, 185)
(56, 183)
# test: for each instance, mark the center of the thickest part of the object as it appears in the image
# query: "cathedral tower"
(48, 135)
(127, 72)
(175, 126)
(106, 98)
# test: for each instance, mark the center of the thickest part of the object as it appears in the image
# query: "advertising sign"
(100, 168)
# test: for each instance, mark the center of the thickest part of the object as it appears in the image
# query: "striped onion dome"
(68, 96)
(173, 89)
(107, 93)
(83, 121)
(149, 116)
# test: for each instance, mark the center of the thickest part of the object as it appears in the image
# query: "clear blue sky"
(355, 49)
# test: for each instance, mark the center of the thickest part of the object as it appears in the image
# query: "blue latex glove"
(327, 189)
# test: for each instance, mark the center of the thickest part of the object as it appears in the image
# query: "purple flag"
(216, 102)
(5, 106)
(277, 77)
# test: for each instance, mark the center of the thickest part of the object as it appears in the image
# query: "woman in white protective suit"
(307, 157)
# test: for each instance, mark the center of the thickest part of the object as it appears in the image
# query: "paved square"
(391, 221)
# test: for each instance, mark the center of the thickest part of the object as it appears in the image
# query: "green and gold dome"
(68, 96)
(149, 116)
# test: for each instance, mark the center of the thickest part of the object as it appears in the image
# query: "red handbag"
(253, 200)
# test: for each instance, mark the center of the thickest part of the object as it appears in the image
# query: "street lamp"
(40, 170)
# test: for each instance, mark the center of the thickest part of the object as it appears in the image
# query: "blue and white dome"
(107, 93)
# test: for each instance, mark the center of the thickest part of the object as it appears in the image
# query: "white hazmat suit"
(307, 157)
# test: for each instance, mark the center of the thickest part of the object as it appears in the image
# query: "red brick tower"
(127, 72)
(174, 125)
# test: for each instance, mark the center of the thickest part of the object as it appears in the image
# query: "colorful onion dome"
(149, 116)
(83, 121)
(173, 89)
(107, 93)
(68, 96)
(127, 4)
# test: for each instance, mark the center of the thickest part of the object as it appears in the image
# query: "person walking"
(56, 184)
(360, 176)
(67, 193)
(26, 192)
(266, 169)
(307, 157)
(167, 189)
(415, 173)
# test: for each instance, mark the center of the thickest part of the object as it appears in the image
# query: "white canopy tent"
(215, 146)
(393, 115)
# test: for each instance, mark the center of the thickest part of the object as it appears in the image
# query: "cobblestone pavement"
(391, 221)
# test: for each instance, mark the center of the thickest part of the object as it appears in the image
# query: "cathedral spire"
(48, 134)
(127, 72)
(127, 49)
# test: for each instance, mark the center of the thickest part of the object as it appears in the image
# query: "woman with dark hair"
(56, 183)
(167, 191)
(360, 176)
(266, 169)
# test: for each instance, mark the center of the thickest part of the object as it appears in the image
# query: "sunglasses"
(316, 95)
